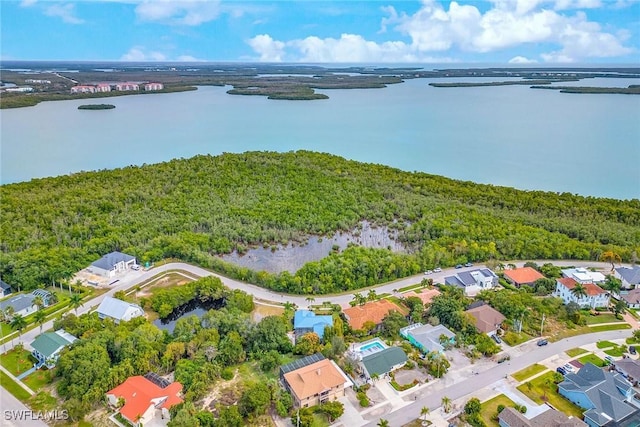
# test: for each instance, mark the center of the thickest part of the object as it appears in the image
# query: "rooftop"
(630, 274)
(426, 335)
(486, 318)
(108, 261)
(139, 393)
(370, 312)
(523, 275)
(115, 308)
(425, 295)
(50, 342)
(18, 302)
(314, 378)
(591, 288)
(469, 278)
(305, 319)
(549, 418)
(383, 361)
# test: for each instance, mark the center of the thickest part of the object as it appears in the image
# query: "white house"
(47, 347)
(24, 304)
(118, 310)
(127, 86)
(113, 263)
(103, 87)
(596, 296)
(582, 275)
(630, 276)
(473, 281)
(83, 89)
(153, 86)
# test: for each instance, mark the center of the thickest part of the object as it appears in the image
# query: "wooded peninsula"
(199, 208)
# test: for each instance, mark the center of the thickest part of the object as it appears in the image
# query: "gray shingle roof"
(109, 260)
(629, 366)
(630, 274)
(18, 302)
(465, 278)
(4, 286)
(115, 308)
(383, 361)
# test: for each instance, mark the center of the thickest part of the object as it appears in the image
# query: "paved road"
(12, 409)
(527, 354)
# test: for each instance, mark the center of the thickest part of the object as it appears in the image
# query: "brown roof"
(591, 288)
(549, 418)
(425, 295)
(631, 297)
(371, 311)
(315, 378)
(524, 275)
(486, 318)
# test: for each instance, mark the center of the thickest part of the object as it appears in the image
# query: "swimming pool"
(369, 347)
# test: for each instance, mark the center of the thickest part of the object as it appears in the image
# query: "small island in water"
(96, 107)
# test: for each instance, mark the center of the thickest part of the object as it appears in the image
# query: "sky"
(544, 32)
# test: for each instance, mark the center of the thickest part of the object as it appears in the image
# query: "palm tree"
(8, 314)
(579, 291)
(40, 316)
(18, 323)
(38, 302)
(519, 313)
(372, 296)
(612, 257)
(446, 403)
(310, 300)
(612, 284)
(75, 301)
(423, 413)
(383, 423)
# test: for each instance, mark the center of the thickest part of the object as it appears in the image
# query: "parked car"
(542, 342)
(437, 270)
(632, 349)
(569, 368)
(561, 370)
(428, 272)
(609, 360)
(468, 264)
(496, 339)
(504, 359)
(135, 267)
(459, 266)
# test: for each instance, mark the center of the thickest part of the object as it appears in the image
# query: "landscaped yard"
(601, 318)
(542, 388)
(16, 361)
(12, 387)
(592, 358)
(490, 408)
(529, 372)
(38, 379)
(514, 338)
(617, 351)
(573, 352)
(605, 344)
(603, 328)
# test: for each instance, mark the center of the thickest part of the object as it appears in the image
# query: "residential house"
(522, 276)
(425, 295)
(5, 289)
(582, 275)
(118, 310)
(606, 396)
(384, 361)
(314, 380)
(632, 297)
(596, 296)
(83, 89)
(103, 87)
(473, 281)
(145, 399)
(428, 338)
(153, 86)
(629, 368)
(486, 318)
(509, 417)
(23, 304)
(126, 86)
(47, 347)
(111, 264)
(372, 312)
(630, 276)
(305, 321)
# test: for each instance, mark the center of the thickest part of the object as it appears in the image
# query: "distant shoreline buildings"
(116, 86)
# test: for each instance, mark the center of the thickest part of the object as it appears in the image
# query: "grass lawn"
(417, 423)
(601, 318)
(605, 344)
(12, 387)
(16, 361)
(514, 338)
(617, 351)
(528, 372)
(573, 352)
(43, 401)
(490, 408)
(38, 379)
(603, 328)
(632, 340)
(592, 358)
(541, 390)
(410, 288)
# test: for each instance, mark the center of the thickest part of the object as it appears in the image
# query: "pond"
(191, 308)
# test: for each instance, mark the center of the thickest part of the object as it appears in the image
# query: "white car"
(428, 272)
(569, 368)
(135, 267)
(437, 270)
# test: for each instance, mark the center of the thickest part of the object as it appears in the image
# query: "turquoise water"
(511, 135)
(376, 345)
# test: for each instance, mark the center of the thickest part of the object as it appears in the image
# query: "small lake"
(193, 308)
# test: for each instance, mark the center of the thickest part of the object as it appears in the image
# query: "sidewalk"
(20, 383)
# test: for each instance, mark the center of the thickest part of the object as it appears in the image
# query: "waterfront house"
(103, 87)
(118, 310)
(427, 338)
(596, 296)
(629, 276)
(522, 276)
(47, 347)
(153, 86)
(145, 401)
(305, 321)
(83, 89)
(127, 86)
(313, 380)
(486, 318)
(473, 281)
(373, 312)
(111, 264)
(608, 398)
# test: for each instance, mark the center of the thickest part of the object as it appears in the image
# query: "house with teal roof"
(47, 347)
(305, 321)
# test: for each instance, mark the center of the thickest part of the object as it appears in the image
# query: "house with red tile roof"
(145, 400)
(522, 276)
(596, 296)
(315, 382)
(425, 295)
(370, 312)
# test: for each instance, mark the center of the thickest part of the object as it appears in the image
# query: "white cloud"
(137, 54)
(521, 60)
(27, 3)
(577, 4)
(182, 12)
(64, 11)
(270, 50)
(187, 58)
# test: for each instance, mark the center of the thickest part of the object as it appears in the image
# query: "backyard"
(543, 389)
(490, 408)
(17, 360)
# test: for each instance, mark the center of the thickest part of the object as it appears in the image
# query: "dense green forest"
(194, 209)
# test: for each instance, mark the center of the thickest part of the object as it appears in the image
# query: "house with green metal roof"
(384, 361)
(47, 347)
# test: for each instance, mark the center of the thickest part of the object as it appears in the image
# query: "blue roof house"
(305, 321)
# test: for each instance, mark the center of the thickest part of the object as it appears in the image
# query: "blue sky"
(428, 31)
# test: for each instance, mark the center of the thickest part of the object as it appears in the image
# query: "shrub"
(500, 408)
(363, 399)
(227, 373)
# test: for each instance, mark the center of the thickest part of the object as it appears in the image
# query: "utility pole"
(542, 325)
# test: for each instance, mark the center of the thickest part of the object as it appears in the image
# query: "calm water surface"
(511, 135)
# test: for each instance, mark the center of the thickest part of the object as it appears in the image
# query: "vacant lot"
(528, 372)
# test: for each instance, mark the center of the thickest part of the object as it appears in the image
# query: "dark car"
(632, 349)
(561, 370)
(496, 339)
(542, 342)
(459, 266)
